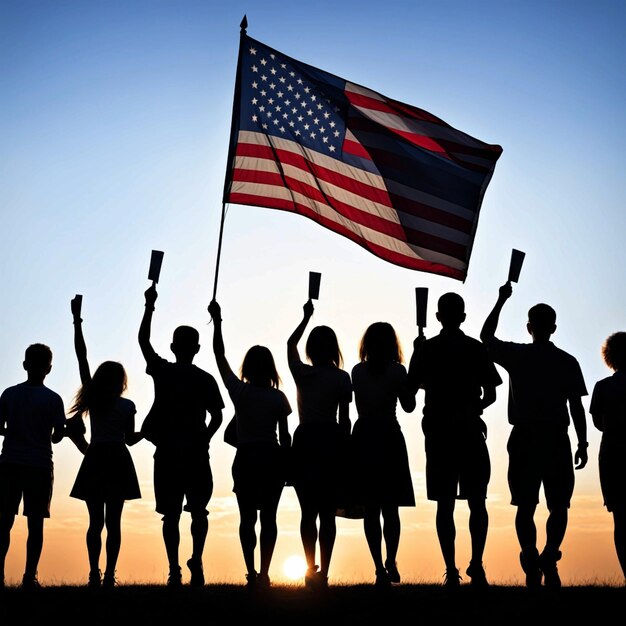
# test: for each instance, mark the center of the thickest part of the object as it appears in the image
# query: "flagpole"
(231, 150)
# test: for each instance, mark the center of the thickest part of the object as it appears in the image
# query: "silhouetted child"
(381, 465)
(258, 470)
(545, 386)
(106, 477)
(176, 425)
(324, 394)
(32, 418)
(459, 381)
(608, 411)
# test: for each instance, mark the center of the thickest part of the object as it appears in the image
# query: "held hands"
(581, 457)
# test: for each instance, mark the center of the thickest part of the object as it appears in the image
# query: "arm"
(580, 425)
(130, 435)
(75, 432)
(79, 343)
(489, 396)
(146, 323)
(344, 418)
(292, 342)
(215, 422)
(412, 377)
(284, 436)
(490, 326)
(218, 341)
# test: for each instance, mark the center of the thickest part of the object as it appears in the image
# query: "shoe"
(197, 572)
(547, 565)
(109, 581)
(476, 572)
(382, 579)
(30, 582)
(392, 571)
(452, 579)
(95, 579)
(251, 580)
(310, 578)
(175, 578)
(529, 560)
(263, 581)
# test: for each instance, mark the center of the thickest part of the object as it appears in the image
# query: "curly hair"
(614, 351)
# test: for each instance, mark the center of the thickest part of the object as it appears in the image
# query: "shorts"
(33, 485)
(612, 469)
(182, 476)
(457, 467)
(540, 456)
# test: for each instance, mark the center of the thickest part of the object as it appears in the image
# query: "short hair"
(614, 351)
(451, 308)
(322, 347)
(258, 367)
(542, 316)
(186, 337)
(38, 355)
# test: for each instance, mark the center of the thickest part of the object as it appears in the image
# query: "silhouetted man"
(176, 425)
(545, 386)
(459, 380)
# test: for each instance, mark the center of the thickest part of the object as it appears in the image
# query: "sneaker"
(30, 582)
(452, 579)
(476, 572)
(263, 581)
(197, 572)
(95, 579)
(547, 565)
(392, 571)
(382, 579)
(529, 560)
(310, 578)
(251, 579)
(175, 578)
(109, 581)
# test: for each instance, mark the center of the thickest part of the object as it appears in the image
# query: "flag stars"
(255, 85)
(263, 77)
(253, 51)
(255, 68)
(273, 71)
(263, 62)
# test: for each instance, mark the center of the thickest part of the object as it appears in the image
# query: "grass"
(294, 605)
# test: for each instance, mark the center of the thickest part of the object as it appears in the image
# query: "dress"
(259, 467)
(381, 475)
(608, 411)
(318, 450)
(107, 471)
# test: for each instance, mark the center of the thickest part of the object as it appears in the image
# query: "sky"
(115, 121)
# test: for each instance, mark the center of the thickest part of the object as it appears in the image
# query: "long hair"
(258, 368)
(108, 383)
(380, 344)
(322, 347)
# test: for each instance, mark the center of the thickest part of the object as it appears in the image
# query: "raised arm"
(490, 326)
(489, 396)
(146, 323)
(292, 342)
(218, 341)
(79, 342)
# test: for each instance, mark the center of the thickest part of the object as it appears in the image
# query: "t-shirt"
(320, 390)
(376, 392)
(453, 369)
(608, 407)
(183, 394)
(31, 413)
(258, 410)
(542, 378)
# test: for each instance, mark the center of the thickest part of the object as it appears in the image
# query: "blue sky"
(115, 119)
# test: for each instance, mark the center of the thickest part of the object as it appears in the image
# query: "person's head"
(451, 310)
(541, 321)
(614, 351)
(380, 343)
(258, 368)
(38, 361)
(107, 384)
(185, 343)
(322, 347)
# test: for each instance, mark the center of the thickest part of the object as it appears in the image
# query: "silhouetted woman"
(324, 394)
(608, 411)
(259, 466)
(381, 466)
(106, 477)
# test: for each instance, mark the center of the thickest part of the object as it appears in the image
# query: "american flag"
(395, 179)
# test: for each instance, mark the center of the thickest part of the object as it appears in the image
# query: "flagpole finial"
(244, 25)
